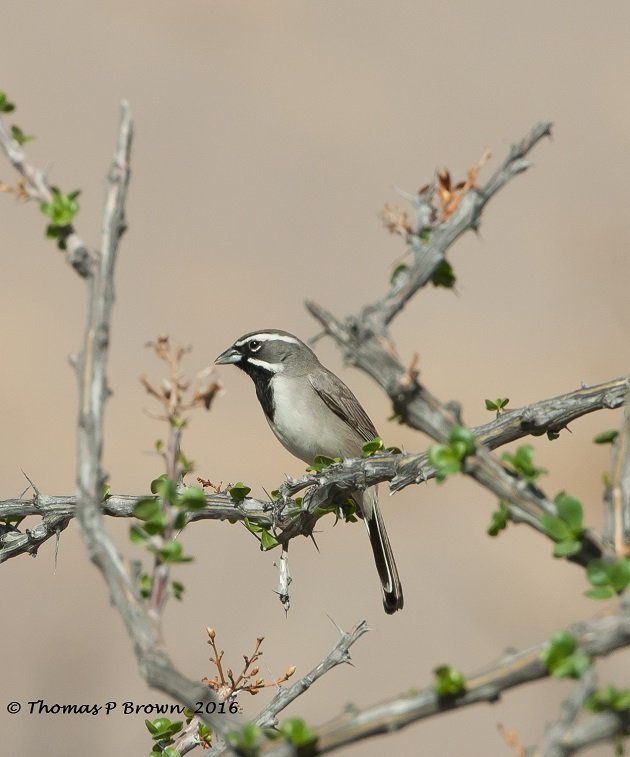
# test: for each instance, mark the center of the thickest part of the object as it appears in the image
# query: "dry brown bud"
(211, 632)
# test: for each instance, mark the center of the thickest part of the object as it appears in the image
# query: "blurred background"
(269, 135)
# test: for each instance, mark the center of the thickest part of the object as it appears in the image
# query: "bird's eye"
(254, 345)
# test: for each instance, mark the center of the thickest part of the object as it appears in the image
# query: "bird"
(312, 412)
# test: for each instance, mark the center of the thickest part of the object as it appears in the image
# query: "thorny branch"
(596, 638)
(399, 470)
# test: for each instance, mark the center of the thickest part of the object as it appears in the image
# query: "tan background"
(269, 135)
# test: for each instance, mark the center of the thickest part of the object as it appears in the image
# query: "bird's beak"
(231, 355)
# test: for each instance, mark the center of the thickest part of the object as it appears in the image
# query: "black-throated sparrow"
(312, 412)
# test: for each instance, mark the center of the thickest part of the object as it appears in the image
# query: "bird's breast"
(305, 425)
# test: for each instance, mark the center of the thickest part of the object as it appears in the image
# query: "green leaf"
(372, 447)
(247, 738)
(556, 527)
(619, 573)
(146, 585)
(443, 275)
(600, 592)
(462, 439)
(267, 541)
(165, 488)
(562, 658)
(523, 462)
(5, 105)
(560, 645)
(178, 588)
(173, 551)
(567, 548)
(137, 534)
(170, 751)
(597, 572)
(444, 460)
(398, 272)
(239, 491)
(425, 233)
(251, 526)
(147, 508)
(499, 519)
(20, 137)
(606, 437)
(157, 524)
(193, 498)
(448, 682)
(570, 510)
(609, 698)
(321, 462)
(297, 732)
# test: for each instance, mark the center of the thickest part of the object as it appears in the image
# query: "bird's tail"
(383, 555)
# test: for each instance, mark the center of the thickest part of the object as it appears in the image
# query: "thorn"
(35, 489)
(341, 631)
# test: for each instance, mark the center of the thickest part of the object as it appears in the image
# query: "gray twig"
(38, 188)
(554, 741)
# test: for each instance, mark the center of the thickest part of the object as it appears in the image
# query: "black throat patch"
(262, 381)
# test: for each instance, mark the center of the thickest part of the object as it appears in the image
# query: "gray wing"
(342, 402)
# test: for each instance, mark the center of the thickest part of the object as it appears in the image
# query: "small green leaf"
(5, 105)
(147, 508)
(556, 527)
(570, 510)
(597, 572)
(267, 541)
(321, 462)
(251, 526)
(619, 573)
(165, 488)
(523, 462)
(170, 751)
(567, 548)
(609, 698)
(137, 534)
(464, 439)
(247, 738)
(448, 682)
(562, 658)
(443, 275)
(193, 498)
(239, 491)
(297, 732)
(173, 551)
(371, 447)
(146, 585)
(606, 437)
(398, 273)
(499, 519)
(178, 588)
(20, 137)
(600, 592)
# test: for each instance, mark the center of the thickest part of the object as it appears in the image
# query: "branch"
(596, 638)
(38, 188)
(339, 654)
(617, 495)
(91, 368)
(553, 744)
(400, 470)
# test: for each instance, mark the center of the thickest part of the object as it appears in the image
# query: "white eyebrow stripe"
(267, 338)
(271, 367)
